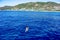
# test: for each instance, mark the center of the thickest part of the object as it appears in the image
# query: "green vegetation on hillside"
(37, 6)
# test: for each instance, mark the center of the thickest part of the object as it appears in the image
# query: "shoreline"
(29, 11)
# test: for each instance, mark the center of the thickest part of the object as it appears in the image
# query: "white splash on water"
(27, 28)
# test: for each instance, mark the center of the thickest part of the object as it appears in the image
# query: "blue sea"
(42, 25)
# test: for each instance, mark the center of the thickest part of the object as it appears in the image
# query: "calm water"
(42, 25)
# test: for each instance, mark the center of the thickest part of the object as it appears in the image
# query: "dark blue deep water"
(42, 25)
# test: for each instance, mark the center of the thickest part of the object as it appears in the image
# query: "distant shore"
(34, 6)
(29, 11)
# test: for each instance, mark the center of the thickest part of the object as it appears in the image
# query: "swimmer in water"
(27, 28)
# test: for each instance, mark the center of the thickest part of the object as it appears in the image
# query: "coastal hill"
(34, 6)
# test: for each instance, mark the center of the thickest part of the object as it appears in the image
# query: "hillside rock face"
(37, 6)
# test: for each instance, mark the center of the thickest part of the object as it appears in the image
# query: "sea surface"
(42, 25)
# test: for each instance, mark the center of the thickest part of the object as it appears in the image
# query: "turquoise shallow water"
(42, 25)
